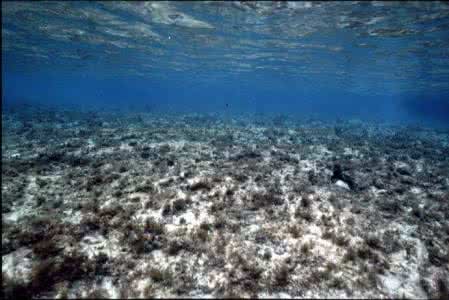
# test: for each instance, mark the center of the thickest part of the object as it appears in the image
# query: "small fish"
(83, 55)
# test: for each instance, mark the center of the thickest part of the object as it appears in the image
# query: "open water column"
(225, 149)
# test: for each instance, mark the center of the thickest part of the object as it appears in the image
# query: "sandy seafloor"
(151, 205)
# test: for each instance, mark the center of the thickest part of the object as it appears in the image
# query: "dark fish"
(82, 55)
(75, 38)
(86, 56)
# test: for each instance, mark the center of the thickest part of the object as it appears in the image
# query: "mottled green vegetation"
(178, 244)
(180, 205)
(306, 248)
(161, 276)
(341, 240)
(154, 227)
(46, 248)
(14, 288)
(149, 290)
(281, 275)
(246, 275)
(304, 214)
(145, 187)
(98, 293)
(201, 185)
(202, 234)
(261, 201)
(350, 255)
(143, 238)
(295, 230)
(68, 267)
(264, 199)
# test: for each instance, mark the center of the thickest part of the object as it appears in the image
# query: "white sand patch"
(164, 181)
(342, 184)
(351, 151)
(307, 165)
(72, 216)
(15, 155)
(375, 192)
(18, 213)
(28, 206)
(105, 150)
(419, 165)
(403, 278)
(191, 219)
(112, 289)
(141, 284)
(320, 151)
(18, 264)
(322, 193)
(94, 244)
(143, 214)
(126, 147)
(400, 164)
(416, 190)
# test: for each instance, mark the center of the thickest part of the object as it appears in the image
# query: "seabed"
(103, 204)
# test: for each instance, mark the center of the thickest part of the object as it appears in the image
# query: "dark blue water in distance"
(383, 61)
(225, 149)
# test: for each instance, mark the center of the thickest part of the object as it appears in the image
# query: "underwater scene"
(225, 149)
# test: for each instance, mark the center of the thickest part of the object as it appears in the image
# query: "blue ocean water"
(228, 149)
(386, 61)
